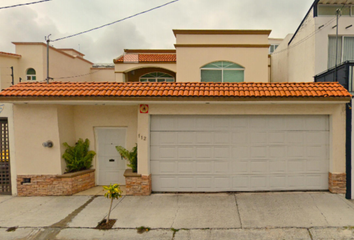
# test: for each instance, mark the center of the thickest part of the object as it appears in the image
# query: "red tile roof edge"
(177, 90)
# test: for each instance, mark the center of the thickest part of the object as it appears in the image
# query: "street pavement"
(282, 215)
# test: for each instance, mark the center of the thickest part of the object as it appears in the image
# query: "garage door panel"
(259, 152)
(239, 153)
(222, 167)
(222, 152)
(204, 167)
(185, 152)
(203, 152)
(186, 167)
(204, 138)
(240, 166)
(184, 138)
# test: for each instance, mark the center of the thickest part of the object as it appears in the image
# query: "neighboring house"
(29, 65)
(205, 118)
(312, 49)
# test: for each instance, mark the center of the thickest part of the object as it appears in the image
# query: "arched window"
(157, 77)
(31, 74)
(222, 72)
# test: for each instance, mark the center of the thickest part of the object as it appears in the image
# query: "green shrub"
(131, 156)
(78, 157)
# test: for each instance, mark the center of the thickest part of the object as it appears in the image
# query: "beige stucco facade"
(37, 123)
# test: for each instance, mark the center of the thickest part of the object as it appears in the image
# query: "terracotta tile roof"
(180, 89)
(146, 57)
(10, 54)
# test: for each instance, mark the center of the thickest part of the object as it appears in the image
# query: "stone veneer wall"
(56, 185)
(337, 182)
(137, 185)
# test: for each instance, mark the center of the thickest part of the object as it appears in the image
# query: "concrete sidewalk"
(296, 215)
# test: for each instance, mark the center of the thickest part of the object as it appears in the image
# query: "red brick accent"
(136, 184)
(337, 182)
(55, 185)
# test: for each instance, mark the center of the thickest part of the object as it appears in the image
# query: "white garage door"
(239, 153)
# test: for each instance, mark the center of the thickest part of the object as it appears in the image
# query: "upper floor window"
(324, 10)
(272, 48)
(157, 77)
(222, 72)
(31, 74)
(345, 50)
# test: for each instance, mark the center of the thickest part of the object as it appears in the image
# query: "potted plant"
(130, 156)
(78, 157)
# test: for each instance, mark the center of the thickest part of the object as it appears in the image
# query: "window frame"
(33, 77)
(341, 40)
(156, 78)
(351, 13)
(222, 70)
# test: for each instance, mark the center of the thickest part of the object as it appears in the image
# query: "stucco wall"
(102, 75)
(33, 125)
(279, 61)
(321, 60)
(335, 111)
(302, 55)
(32, 57)
(66, 130)
(6, 62)
(221, 39)
(190, 60)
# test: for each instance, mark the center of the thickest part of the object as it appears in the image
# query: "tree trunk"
(109, 212)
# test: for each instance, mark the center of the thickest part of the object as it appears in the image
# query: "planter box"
(136, 184)
(55, 185)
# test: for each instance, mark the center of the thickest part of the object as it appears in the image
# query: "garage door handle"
(111, 160)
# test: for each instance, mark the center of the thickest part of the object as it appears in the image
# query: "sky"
(61, 18)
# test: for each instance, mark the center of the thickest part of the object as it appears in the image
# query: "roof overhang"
(336, 2)
(221, 31)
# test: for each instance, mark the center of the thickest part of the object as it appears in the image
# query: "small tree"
(131, 156)
(113, 192)
(78, 157)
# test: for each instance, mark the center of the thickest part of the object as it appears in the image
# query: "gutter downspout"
(348, 150)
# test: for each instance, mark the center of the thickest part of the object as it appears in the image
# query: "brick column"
(136, 184)
(337, 182)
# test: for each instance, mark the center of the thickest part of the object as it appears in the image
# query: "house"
(204, 116)
(29, 64)
(312, 48)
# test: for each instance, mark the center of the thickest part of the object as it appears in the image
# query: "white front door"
(111, 167)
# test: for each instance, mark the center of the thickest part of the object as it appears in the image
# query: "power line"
(24, 4)
(120, 20)
(310, 35)
(75, 76)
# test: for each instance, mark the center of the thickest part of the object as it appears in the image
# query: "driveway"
(291, 215)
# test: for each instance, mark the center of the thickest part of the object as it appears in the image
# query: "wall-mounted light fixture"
(48, 144)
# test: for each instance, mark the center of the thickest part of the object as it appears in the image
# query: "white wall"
(279, 61)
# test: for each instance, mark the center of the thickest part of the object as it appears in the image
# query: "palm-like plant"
(78, 157)
(131, 156)
(113, 192)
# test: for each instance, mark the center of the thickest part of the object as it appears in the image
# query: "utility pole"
(12, 76)
(48, 41)
(338, 11)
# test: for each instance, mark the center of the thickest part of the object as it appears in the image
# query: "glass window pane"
(161, 80)
(331, 10)
(170, 80)
(143, 80)
(28, 77)
(31, 71)
(211, 76)
(33, 77)
(348, 51)
(233, 75)
(152, 80)
(332, 51)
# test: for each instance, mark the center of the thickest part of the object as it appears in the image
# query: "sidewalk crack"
(318, 208)
(175, 214)
(238, 211)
